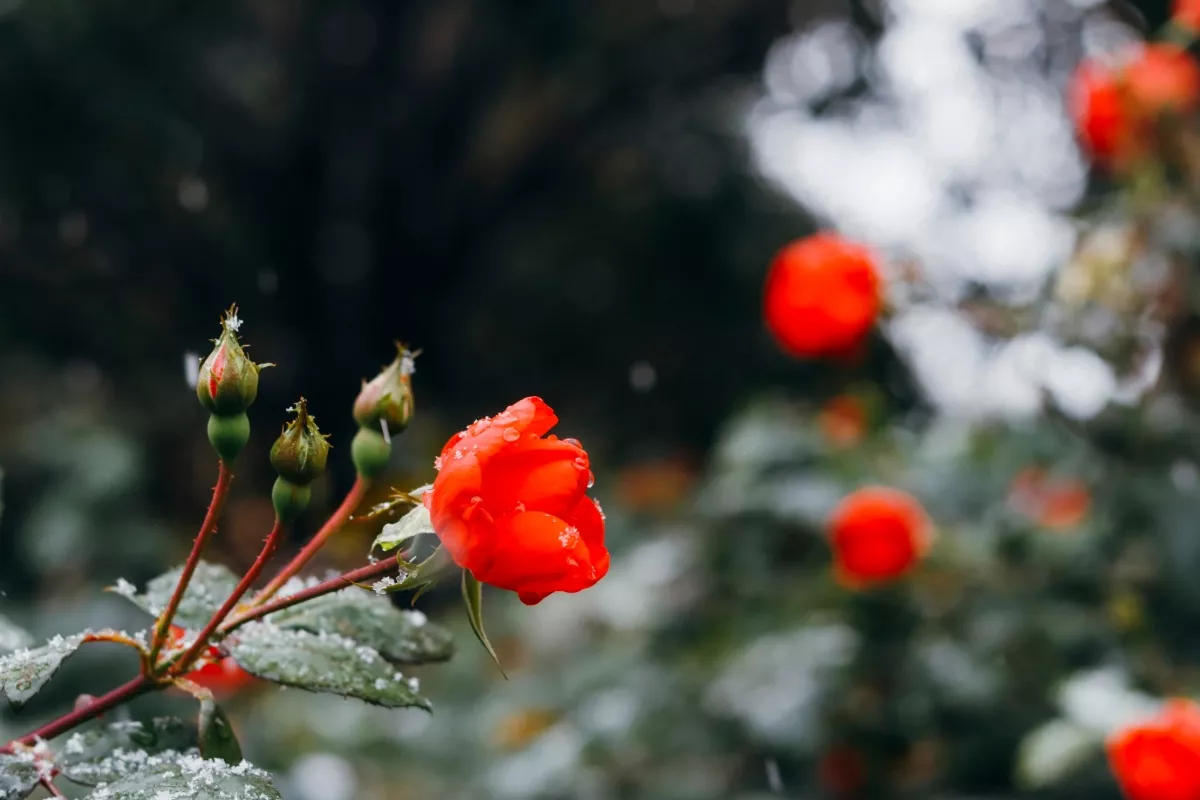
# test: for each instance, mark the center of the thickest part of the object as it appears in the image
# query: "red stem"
(331, 526)
(183, 662)
(220, 491)
(370, 571)
(48, 785)
(122, 694)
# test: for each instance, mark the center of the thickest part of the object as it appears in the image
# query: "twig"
(220, 491)
(331, 526)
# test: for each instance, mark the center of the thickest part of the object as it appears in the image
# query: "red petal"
(538, 553)
(528, 417)
(536, 475)
(587, 518)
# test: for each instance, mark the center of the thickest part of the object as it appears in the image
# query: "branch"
(369, 572)
(122, 694)
(331, 526)
(220, 492)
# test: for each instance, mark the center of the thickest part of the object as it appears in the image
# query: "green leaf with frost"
(23, 673)
(401, 636)
(217, 739)
(1052, 753)
(110, 752)
(18, 775)
(12, 637)
(472, 592)
(323, 662)
(187, 776)
(408, 527)
(209, 587)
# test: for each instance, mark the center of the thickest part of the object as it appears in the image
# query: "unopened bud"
(386, 402)
(228, 380)
(370, 452)
(300, 452)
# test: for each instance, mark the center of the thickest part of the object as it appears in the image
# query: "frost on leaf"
(108, 753)
(401, 636)
(322, 662)
(12, 637)
(411, 525)
(18, 775)
(209, 587)
(187, 776)
(24, 672)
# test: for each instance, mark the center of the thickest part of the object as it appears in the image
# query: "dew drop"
(573, 443)
(519, 508)
(511, 434)
(591, 479)
(581, 463)
(600, 510)
(476, 500)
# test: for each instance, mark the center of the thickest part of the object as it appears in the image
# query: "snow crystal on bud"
(125, 588)
(408, 363)
(381, 586)
(233, 322)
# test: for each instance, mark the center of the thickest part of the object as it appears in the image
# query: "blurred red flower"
(877, 534)
(1056, 503)
(843, 421)
(1114, 108)
(512, 506)
(222, 676)
(1186, 14)
(822, 296)
(1160, 759)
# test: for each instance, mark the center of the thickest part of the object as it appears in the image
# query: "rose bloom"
(510, 505)
(822, 296)
(1114, 108)
(1055, 503)
(1186, 14)
(877, 534)
(1159, 759)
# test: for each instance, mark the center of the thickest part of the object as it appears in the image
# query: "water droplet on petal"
(600, 510)
(591, 479)
(519, 508)
(511, 434)
(581, 463)
(458, 453)
(573, 443)
(476, 500)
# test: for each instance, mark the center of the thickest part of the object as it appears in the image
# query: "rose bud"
(228, 380)
(388, 398)
(300, 452)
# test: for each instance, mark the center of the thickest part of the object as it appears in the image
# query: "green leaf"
(110, 752)
(217, 739)
(472, 591)
(187, 776)
(209, 587)
(402, 637)
(12, 637)
(18, 775)
(410, 526)
(323, 662)
(23, 673)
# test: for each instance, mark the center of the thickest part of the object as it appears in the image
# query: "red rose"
(512, 506)
(1186, 14)
(1101, 119)
(877, 534)
(1115, 109)
(822, 296)
(1052, 502)
(1160, 759)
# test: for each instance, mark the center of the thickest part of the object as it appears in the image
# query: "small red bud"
(228, 380)
(388, 398)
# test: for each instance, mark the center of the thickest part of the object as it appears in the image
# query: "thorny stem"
(369, 572)
(122, 694)
(331, 526)
(144, 683)
(181, 664)
(48, 785)
(220, 491)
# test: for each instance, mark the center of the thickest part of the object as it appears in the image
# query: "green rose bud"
(388, 398)
(300, 452)
(370, 452)
(228, 380)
